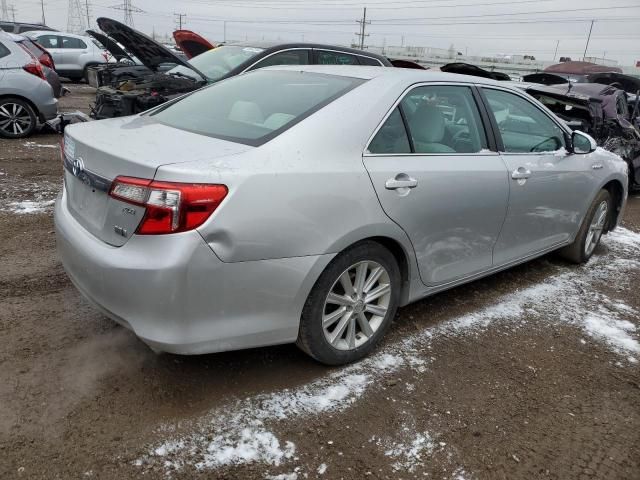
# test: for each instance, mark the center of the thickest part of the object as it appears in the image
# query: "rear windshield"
(256, 107)
(216, 63)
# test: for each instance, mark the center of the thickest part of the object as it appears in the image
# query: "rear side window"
(49, 41)
(254, 108)
(524, 128)
(369, 61)
(289, 57)
(336, 58)
(392, 136)
(4, 51)
(70, 42)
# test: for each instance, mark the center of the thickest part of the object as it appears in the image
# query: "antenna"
(75, 18)
(129, 9)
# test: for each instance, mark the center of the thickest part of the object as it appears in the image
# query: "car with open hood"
(137, 95)
(602, 111)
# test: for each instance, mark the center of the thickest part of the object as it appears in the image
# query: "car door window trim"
(492, 150)
(498, 135)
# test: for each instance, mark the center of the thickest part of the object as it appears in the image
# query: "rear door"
(437, 176)
(549, 187)
(73, 51)
(294, 56)
(53, 45)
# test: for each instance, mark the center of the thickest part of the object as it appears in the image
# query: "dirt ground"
(531, 373)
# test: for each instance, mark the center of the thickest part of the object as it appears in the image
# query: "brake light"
(170, 207)
(35, 68)
(47, 61)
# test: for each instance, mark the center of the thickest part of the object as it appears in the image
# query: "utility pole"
(86, 6)
(588, 39)
(12, 9)
(363, 25)
(224, 31)
(555, 54)
(44, 20)
(179, 17)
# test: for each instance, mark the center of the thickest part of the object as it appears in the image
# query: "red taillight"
(47, 61)
(170, 207)
(35, 68)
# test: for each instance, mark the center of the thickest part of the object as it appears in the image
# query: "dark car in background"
(602, 111)
(139, 94)
(19, 27)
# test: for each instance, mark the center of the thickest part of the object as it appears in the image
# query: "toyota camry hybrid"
(305, 204)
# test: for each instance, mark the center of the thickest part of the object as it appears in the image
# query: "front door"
(436, 177)
(549, 187)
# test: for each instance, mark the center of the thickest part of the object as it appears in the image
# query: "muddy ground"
(531, 373)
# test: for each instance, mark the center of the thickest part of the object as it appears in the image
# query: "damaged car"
(137, 95)
(602, 111)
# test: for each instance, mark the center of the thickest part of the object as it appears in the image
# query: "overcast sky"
(479, 27)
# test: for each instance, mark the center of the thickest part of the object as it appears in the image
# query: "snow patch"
(37, 145)
(614, 332)
(409, 455)
(322, 468)
(29, 206)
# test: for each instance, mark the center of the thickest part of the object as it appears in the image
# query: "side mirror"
(582, 143)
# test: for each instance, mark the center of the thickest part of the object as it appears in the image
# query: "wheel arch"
(616, 190)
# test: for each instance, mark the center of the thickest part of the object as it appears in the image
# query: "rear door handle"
(521, 173)
(402, 180)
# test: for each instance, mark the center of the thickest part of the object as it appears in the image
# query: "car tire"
(336, 333)
(15, 108)
(590, 233)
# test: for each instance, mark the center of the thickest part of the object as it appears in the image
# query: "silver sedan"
(305, 204)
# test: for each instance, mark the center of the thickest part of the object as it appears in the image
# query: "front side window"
(444, 119)
(70, 42)
(524, 128)
(336, 58)
(254, 108)
(289, 57)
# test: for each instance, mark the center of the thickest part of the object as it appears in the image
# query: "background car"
(25, 95)
(73, 54)
(211, 66)
(45, 59)
(20, 27)
(305, 203)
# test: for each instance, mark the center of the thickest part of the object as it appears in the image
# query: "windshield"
(256, 107)
(216, 63)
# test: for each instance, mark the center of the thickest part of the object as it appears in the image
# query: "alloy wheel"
(595, 229)
(356, 305)
(14, 118)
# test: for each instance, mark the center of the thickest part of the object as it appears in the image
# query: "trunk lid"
(95, 153)
(191, 43)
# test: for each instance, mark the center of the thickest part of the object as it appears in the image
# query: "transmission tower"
(129, 9)
(4, 11)
(76, 17)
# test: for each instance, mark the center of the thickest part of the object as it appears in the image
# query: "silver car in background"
(305, 204)
(26, 97)
(73, 54)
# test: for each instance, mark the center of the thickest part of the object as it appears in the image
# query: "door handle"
(521, 173)
(402, 180)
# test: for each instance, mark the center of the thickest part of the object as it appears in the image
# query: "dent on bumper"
(177, 296)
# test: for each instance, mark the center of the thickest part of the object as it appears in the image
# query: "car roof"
(368, 73)
(32, 33)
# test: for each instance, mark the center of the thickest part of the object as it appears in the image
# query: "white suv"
(72, 54)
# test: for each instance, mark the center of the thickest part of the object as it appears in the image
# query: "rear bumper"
(178, 297)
